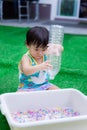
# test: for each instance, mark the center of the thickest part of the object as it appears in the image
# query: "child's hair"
(38, 36)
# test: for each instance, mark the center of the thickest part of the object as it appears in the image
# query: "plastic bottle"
(56, 35)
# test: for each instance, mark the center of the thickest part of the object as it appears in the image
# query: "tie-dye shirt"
(35, 81)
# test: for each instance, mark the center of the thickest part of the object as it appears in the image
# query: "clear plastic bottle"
(56, 35)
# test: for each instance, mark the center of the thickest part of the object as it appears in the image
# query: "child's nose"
(40, 52)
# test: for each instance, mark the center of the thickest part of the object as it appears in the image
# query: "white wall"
(53, 4)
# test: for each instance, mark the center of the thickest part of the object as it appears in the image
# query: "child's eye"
(36, 49)
(44, 50)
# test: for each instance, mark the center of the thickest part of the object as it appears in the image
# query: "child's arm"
(27, 69)
(54, 49)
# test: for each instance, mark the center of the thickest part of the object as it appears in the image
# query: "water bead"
(43, 114)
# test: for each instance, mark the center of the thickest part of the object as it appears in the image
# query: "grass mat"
(73, 73)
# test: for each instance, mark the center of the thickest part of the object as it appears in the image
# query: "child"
(34, 64)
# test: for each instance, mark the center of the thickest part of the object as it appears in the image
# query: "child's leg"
(53, 87)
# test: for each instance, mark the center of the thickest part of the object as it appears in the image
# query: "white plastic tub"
(12, 102)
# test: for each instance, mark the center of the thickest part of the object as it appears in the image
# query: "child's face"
(37, 53)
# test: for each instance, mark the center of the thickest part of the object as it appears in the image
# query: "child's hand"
(46, 65)
(55, 49)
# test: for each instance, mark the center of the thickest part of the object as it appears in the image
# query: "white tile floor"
(71, 28)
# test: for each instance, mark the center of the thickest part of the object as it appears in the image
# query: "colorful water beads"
(43, 114)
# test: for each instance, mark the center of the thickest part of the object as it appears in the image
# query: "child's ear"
(26, 44)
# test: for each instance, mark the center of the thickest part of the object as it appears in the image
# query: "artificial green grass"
(73, 73)
(12, 47)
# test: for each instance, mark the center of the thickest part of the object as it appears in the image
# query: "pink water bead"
(44, 114)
